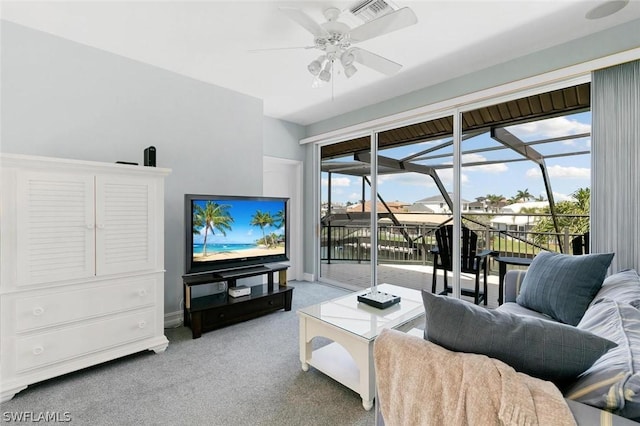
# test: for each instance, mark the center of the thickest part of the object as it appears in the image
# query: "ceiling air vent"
(369, 10)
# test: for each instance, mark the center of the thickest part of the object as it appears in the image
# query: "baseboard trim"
(173, 319)
(308, 277)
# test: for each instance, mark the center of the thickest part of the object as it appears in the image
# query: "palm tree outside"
(494, 201)
(523, 196)
(574, 215)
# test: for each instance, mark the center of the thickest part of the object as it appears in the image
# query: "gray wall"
(63, 99)
(281, 139)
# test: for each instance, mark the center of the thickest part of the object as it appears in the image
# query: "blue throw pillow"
(541, 348)
(563, 286)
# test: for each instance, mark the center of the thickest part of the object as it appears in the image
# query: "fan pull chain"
(332, 80)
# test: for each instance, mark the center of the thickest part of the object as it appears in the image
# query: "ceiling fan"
(335, 40)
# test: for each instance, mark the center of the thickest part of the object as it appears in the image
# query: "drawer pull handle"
(38, 350)
(142, 292)
(142, 324)
(37, 311)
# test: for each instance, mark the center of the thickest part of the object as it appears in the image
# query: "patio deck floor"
(358, 275)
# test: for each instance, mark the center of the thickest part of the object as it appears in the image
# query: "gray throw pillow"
(623, 286)
(544, 349)
(562, 286)
(613, 381)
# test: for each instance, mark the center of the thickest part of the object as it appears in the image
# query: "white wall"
(63, 99)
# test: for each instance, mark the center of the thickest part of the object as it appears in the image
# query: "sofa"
(565, 343)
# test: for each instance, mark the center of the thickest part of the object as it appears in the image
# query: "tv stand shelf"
(207, 313)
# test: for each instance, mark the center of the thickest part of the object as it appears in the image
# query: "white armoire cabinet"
(82, 265)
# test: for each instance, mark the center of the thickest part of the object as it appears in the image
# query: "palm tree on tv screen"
(278, 222)
(278, 219)
(212, 217)
(262, 220)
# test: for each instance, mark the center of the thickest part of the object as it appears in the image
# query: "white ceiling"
(211, 41)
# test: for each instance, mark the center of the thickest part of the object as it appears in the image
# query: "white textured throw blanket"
(421, 383)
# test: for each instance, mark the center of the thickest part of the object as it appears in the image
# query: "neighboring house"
(480, 205)
(514, 218)
(394, 207)
(436, 204)
(336, 208)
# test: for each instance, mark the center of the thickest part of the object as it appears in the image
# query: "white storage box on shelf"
(82, 269)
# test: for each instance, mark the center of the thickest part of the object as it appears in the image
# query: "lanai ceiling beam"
(511, 160)
(516, 144)
(409, 167)
(502, 147)
(440, 146)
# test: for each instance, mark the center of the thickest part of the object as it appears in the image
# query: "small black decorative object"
(150, 156)
(379, 299)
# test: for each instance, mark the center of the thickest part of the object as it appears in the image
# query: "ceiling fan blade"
(304, 21)
(375, 62)
(385, 24)
(267, 49)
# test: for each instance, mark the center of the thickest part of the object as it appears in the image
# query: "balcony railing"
(411, 243)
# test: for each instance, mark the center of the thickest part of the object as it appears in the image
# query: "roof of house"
(439, 199)
(517, 207)
(394, 206)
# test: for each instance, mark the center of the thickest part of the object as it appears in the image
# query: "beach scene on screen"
(237, 229)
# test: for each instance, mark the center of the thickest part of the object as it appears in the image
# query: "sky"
(567, 174)
(241, 231)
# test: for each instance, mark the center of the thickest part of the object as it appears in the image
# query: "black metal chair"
(580, 244)
(472, 261)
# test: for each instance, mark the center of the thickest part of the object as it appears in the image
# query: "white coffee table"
(353, 327)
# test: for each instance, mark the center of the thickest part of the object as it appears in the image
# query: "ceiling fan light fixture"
(315, 66)
(325, 74)
(350, 70)
(335, 38)
(347, 58)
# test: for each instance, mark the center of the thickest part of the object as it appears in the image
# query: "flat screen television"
(227, 232)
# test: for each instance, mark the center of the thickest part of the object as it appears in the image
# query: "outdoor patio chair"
(473, 262)
(580, 244)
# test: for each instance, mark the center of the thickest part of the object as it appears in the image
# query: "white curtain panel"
(615, 164)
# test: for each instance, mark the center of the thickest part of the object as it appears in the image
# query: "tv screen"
(226, 232)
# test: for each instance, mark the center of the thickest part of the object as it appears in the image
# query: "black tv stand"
(207, 313)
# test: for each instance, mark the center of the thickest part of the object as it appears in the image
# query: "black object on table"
(379, 299)
(503, 261)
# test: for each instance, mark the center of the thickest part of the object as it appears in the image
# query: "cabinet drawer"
(58, 308)
(72, 342)
(257, 305)
(227, 314)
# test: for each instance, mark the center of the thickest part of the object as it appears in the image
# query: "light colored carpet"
(245, 374)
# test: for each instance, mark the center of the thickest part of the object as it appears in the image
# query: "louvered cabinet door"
(126, 224)
(55, 227)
